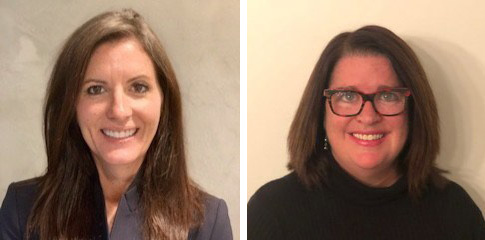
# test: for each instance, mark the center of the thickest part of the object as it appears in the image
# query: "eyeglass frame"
(327, 93)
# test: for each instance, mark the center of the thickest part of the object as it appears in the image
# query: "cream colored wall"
(202, 40)
(285, 39)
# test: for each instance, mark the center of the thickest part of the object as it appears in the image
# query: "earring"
(325, 144)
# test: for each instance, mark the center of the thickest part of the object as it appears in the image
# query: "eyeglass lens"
(385, 103)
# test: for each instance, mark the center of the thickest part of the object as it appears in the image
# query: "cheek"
(82, 115)
(87, 115)
(152, 113)
(335, 127)
(403, 125)
(334, 123)
(83, 120)
(400, 127)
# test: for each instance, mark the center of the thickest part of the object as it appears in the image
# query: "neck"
(115, 180)
(385, 179)
(378, 178)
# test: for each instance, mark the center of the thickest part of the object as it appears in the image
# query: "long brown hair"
(170, 202)
(417, 159)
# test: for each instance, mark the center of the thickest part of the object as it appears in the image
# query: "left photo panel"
(120, 120)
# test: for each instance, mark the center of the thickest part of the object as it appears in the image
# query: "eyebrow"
(379, 88)
(89, 80)
(384, 87)
(139, 77)
(95, 80)
(346, 88)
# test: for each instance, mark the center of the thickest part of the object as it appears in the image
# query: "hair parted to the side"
(170, 201)
(417, 158)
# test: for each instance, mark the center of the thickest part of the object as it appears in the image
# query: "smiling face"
(366, 145)
(119, 105)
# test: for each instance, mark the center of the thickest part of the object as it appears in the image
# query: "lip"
(368, 143)
(118, 140)
(119, 129)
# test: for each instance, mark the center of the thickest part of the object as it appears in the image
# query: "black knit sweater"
(346, 209)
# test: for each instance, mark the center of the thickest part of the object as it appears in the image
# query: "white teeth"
(119, 134)
(367, 136)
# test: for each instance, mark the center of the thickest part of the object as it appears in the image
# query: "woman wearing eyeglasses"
(363, 146)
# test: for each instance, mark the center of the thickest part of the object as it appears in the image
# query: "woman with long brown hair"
(363, 146)
(114, 140)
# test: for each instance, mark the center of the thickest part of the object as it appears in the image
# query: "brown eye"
(95, 90)
(139, 88)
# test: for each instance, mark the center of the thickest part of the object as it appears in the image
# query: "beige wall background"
(285, 39)
(202, 41)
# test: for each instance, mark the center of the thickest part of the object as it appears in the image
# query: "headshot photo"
(365, 120)
(120, 120)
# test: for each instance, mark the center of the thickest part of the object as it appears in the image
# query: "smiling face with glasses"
(366, 118)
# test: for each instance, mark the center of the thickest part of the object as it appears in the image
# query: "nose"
(368, 115)
(119, 109)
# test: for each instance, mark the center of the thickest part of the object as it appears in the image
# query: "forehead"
(366, 73)
(124, 56)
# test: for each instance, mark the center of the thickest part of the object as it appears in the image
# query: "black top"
(344, 208)
(20, 199)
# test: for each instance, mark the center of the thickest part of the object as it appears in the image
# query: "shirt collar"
(132, 195)
(349, 188)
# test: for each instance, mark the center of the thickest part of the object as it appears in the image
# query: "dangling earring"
(325, 144)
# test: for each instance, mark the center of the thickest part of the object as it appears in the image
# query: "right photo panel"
(365, 120)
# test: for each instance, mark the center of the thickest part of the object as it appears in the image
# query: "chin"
(369, 161)
(120, 158)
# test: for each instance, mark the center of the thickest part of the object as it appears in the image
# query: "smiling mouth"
(367, 137)
(119, 134)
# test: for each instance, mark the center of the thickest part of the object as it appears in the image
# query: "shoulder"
(458, 208)
(272, 204)
(454, 195)
(216, 224)
(280, 190)
(25, 188)
(16, 208)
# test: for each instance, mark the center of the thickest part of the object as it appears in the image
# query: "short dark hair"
(417, 158)
(170, 201)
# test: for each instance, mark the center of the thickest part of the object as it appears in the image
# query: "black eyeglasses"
(348, 103)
